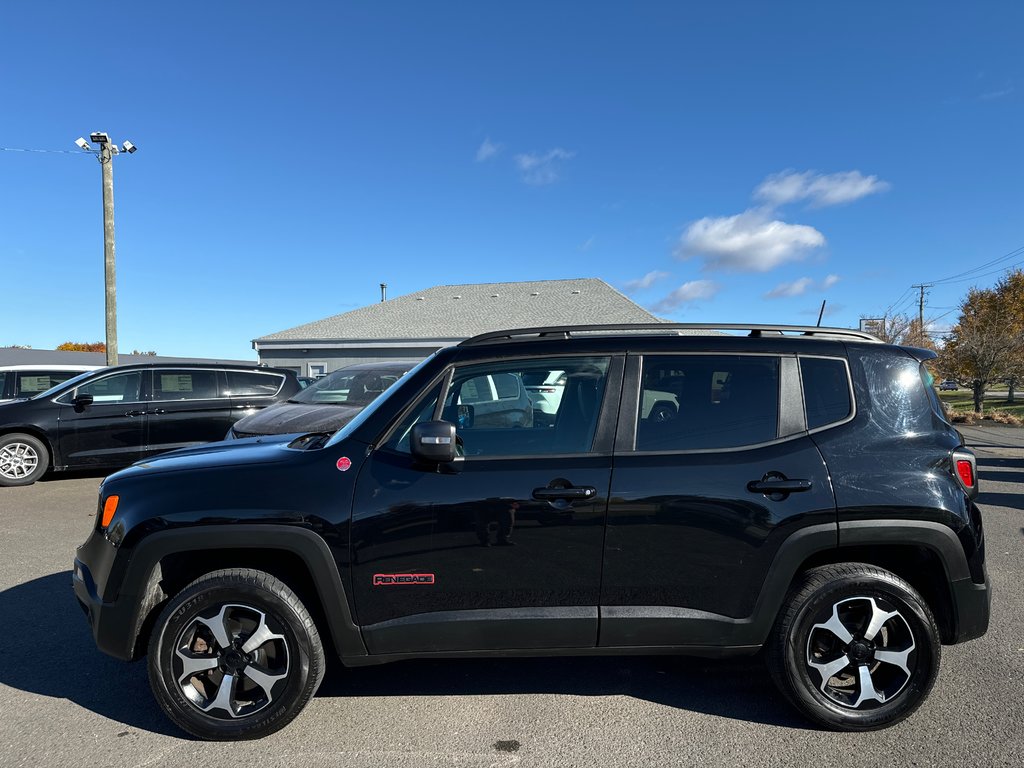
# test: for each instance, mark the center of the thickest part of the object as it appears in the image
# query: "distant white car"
(545, 393)
(949, 384)
(20, 382)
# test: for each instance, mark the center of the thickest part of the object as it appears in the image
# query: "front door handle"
(135, 413)
(573, 493)
(770, 485)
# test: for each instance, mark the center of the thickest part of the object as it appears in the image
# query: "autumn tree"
(987, 342)
(78, 346)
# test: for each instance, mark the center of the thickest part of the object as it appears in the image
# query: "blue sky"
(727, 161)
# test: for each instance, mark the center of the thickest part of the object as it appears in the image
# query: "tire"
(23, 459)
(269, 683)
(827, 619)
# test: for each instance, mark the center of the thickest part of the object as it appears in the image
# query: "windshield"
(370, 409)
(350, 386)
(66, 385)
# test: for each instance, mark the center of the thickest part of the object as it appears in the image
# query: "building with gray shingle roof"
(414, 325)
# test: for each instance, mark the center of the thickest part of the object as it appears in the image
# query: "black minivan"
(114, 416)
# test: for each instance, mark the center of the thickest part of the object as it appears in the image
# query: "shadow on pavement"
(53, 654)
(75, 474)
(739, 689)
(56, 656)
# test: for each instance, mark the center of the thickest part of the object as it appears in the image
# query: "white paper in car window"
(34, 384)
(176, 382)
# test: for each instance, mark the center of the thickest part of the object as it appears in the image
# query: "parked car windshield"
(369, 410)
(66, 385)
(350, 387)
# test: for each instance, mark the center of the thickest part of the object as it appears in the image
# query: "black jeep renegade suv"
(792, 489)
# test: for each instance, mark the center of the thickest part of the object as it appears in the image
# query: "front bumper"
(112, 618)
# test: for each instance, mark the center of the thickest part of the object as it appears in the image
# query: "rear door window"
(693, 402)
(184, 384)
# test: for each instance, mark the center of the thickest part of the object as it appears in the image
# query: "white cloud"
(998, 94)
(687, 293)
(800, 287)
(487, 150)
(537, 168)
(796, 288)
(747, 242)
(821, 189)
(644, 282)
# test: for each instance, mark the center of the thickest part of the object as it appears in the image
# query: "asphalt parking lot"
(64, 703)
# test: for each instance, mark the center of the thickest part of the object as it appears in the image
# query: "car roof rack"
(754, 331)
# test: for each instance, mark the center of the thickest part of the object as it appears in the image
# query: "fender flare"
(142, 570)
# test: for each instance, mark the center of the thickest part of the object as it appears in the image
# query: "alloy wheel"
(864, 653)
(231, 664)
(18, 460)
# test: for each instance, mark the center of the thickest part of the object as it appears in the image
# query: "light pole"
(105, 154)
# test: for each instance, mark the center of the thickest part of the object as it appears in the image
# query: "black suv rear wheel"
(235, 655)
(855, 648)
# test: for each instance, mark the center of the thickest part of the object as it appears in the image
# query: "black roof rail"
(755, 330)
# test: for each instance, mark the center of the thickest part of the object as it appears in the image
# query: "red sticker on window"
(390, 579)
(344, 463)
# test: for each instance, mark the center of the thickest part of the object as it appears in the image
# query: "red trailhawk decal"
(391, 579)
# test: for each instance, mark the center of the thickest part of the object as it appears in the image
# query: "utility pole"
(105, 154)
(109, 268)
(920, 311)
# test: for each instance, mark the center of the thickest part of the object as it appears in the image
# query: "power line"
(969, 273)
(44, 151)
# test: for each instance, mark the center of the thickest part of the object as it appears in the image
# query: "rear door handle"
(568, 494)
(778, 485)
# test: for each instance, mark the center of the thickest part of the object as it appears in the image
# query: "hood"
(260, 450)
(289, 418)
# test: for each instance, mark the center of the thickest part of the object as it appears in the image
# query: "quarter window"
(826, 390)
(251, 383)
(690, 402)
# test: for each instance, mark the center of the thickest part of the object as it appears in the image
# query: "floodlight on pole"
(105, 155)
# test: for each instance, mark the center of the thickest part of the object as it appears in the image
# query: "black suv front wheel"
(855, 648)
(235, 655)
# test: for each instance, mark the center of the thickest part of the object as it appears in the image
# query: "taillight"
(966, 472)
(966, 467)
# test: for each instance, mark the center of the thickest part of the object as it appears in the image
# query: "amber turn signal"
(109, 508)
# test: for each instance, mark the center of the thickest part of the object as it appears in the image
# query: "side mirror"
(82, 402)
(433, 442)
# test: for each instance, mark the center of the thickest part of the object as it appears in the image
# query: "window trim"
(849, 383)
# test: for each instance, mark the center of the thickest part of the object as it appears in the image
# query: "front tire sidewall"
(803, 683)
(280, 711)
